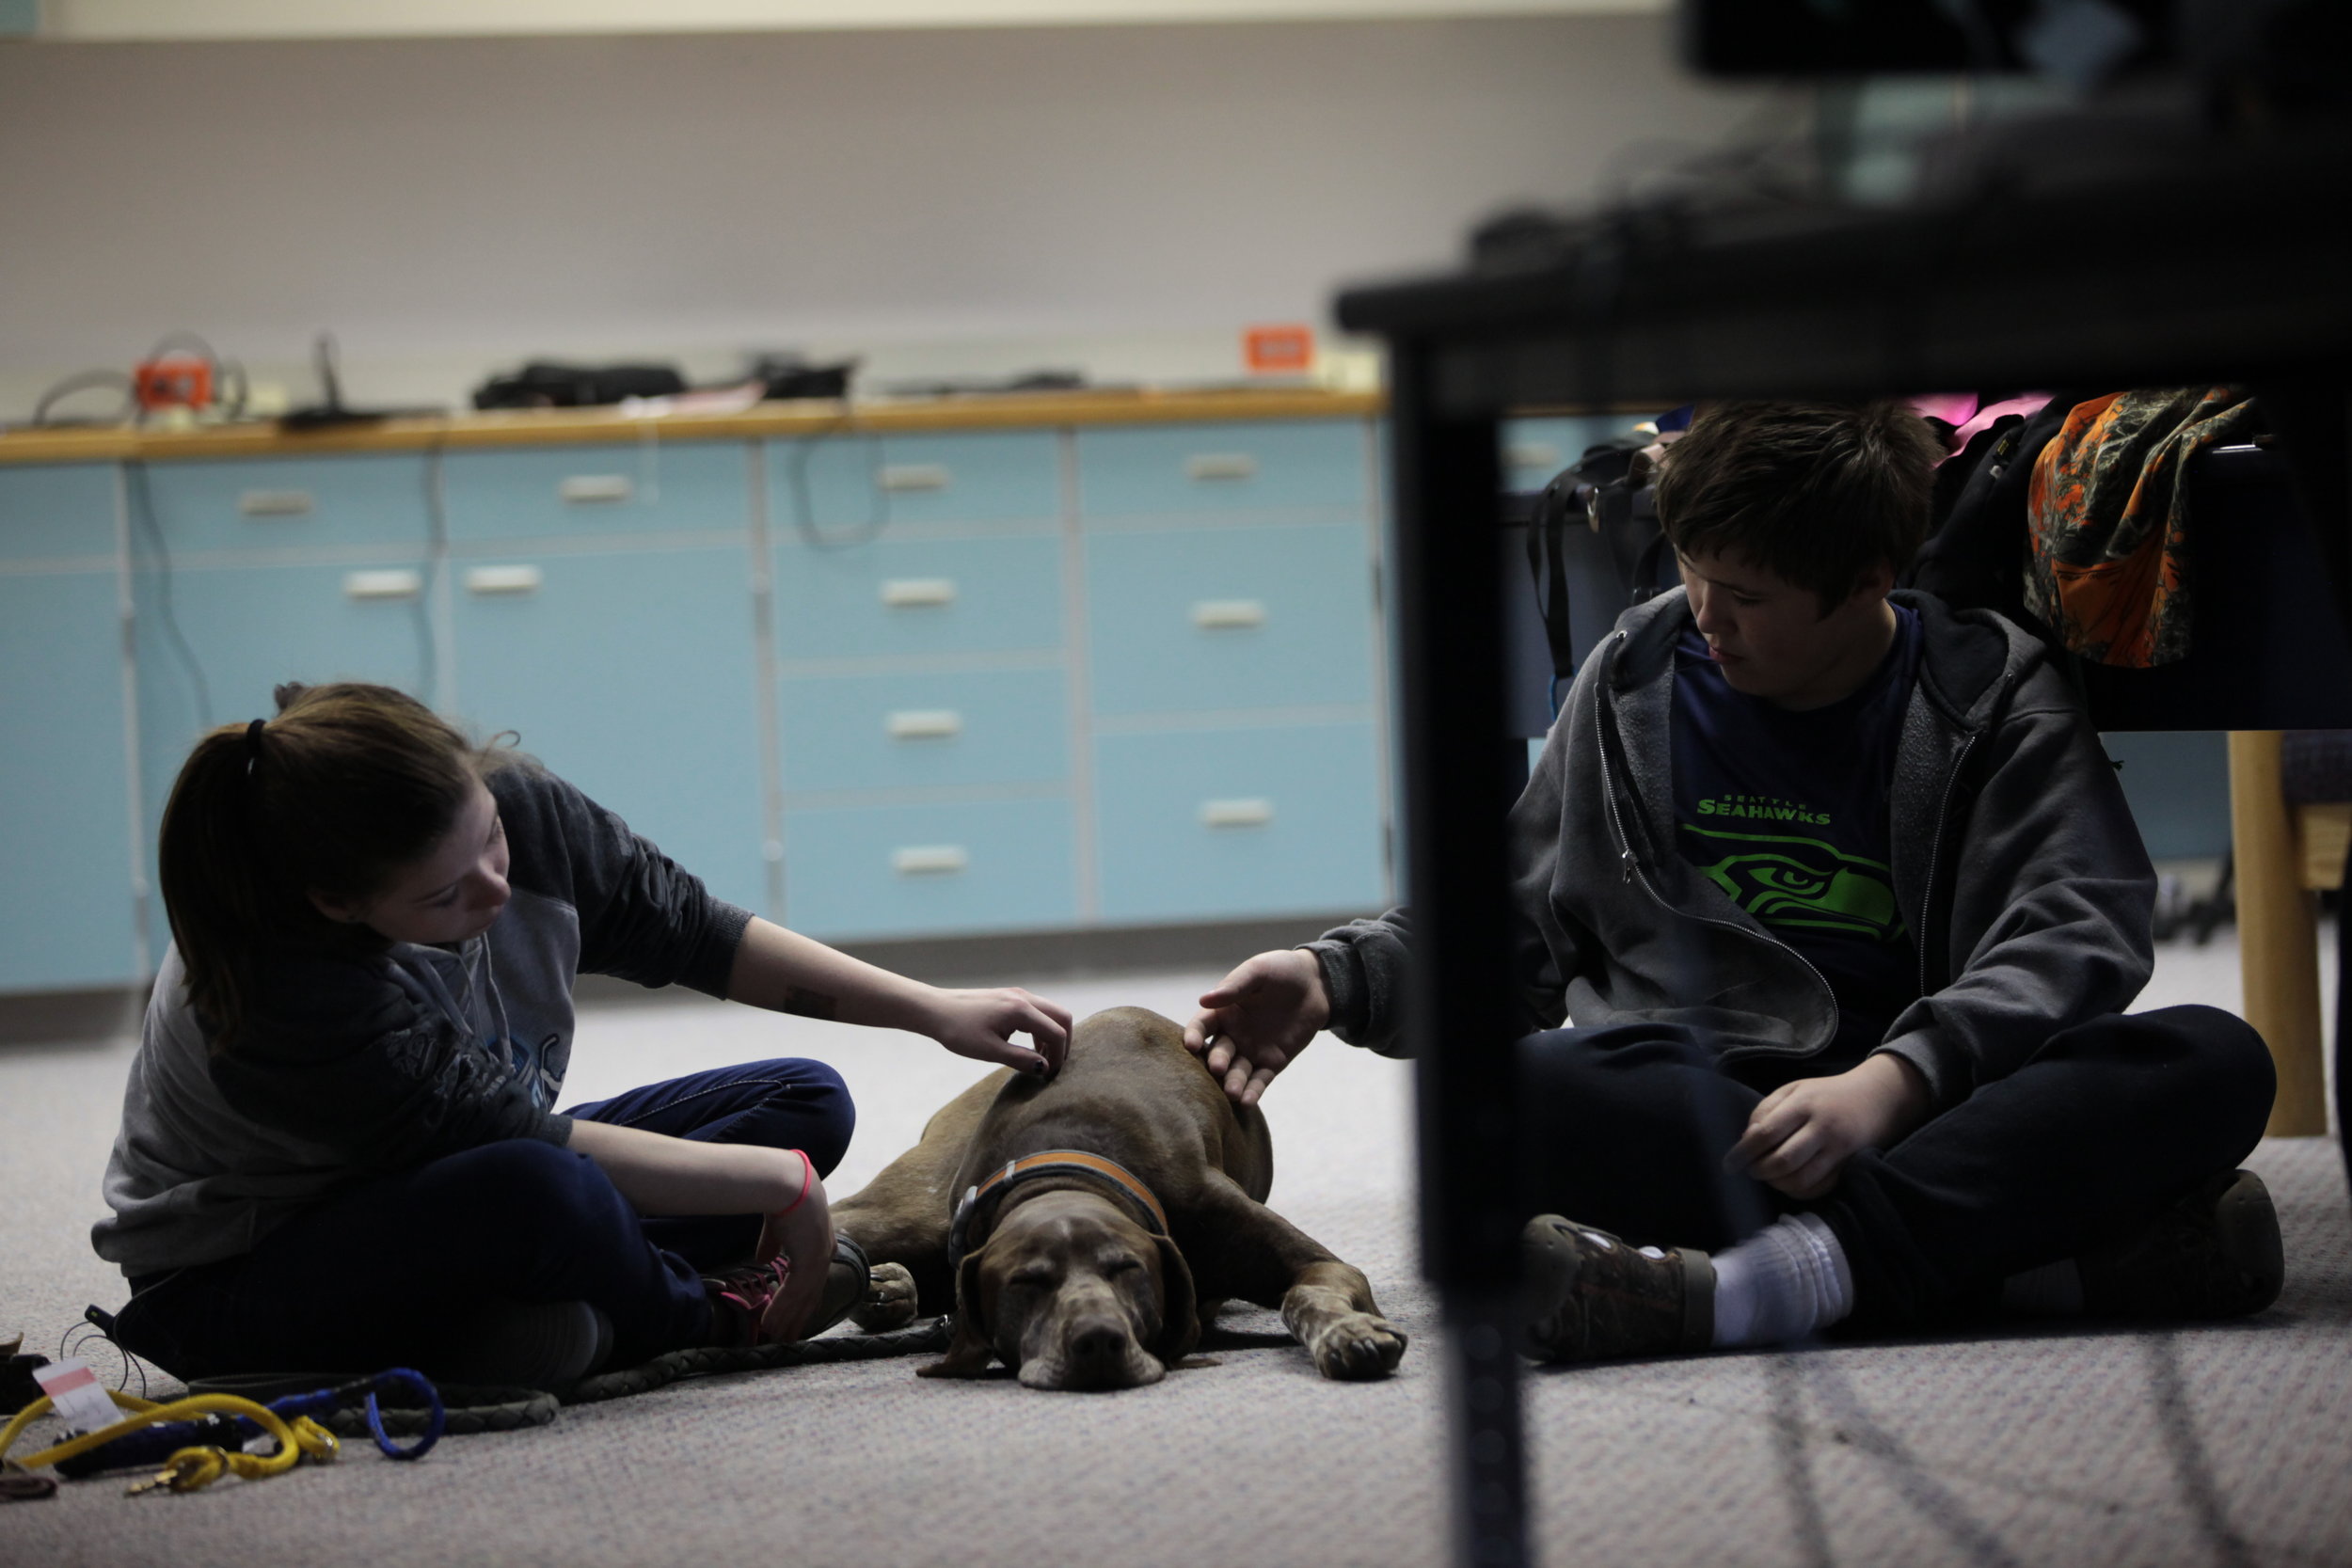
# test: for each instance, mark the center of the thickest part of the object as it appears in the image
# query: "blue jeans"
(385, 1274)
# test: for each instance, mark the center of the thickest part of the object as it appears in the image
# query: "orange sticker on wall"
(1279, 350)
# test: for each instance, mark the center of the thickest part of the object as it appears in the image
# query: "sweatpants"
(1626, 1129)
(387, 1274)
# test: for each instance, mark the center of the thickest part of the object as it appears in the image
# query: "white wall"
(279, 19)
(448, 203)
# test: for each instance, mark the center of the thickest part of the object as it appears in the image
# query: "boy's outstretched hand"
(1801, 1135)
(1258, 1020)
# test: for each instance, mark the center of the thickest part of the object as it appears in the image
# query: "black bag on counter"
(545, 384)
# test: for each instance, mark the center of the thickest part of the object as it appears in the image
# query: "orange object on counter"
(1279, 350)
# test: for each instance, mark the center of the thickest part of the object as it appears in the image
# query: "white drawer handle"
(911, 476)
(590, 489)
(929, 860)
(1228, 614)
(1208, 467)
(503, 580)
(916, 592)
(1531, 454)
(932, 724)
(277, 503)
(1237, 813)
(399, 583)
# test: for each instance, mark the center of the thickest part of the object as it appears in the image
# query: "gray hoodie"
(2017, 868)
(350, 1068)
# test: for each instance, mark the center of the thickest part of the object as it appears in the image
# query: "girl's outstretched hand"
(981, 1025)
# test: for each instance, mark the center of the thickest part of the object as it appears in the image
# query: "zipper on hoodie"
(1936, 854)
(1630, 864)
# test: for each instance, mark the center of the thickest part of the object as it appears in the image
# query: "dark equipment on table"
(548, 384)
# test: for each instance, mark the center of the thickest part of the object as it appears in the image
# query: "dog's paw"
(889, 1299)
(1357, 1347)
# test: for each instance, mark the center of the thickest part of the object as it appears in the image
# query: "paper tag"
(79, 1398)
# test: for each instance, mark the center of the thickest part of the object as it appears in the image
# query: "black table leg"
(1451, 675)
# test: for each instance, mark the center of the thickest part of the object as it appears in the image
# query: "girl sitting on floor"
(339, 1147)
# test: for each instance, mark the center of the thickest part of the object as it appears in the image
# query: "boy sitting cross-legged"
(1840, 905)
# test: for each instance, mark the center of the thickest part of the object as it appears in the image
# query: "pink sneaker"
(744, 1301)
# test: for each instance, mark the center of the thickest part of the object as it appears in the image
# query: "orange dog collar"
(982, 1198)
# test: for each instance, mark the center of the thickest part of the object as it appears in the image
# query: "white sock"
(1783, 1283)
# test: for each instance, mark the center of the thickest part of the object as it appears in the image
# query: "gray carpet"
(2227, 1444)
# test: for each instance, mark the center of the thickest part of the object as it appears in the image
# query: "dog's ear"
(971, 1353)
(1180, 1316)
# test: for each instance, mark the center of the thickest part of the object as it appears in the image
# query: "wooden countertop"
(583, 426)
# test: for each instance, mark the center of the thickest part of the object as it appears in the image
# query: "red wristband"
(808, 1182)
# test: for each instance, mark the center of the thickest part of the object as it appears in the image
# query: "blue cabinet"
(274, 504)
(1198, 824)
(1233, 664)
(830, 489)
(912, 685)
(1201, 618)
(945, 729)
(584, 495)
(65, 807)
(930, 868)
(1189, 473)
(921, 603)
(919, 598)
(629, 673)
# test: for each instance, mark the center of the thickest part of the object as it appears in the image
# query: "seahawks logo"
(1807, 883)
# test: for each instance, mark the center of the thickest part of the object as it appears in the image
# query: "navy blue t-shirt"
(1787, 814)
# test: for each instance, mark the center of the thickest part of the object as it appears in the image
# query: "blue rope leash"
(319, 1404)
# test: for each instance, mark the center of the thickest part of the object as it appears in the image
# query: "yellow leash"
(190, 1468)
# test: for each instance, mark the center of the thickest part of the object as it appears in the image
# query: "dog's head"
(1072, 1294)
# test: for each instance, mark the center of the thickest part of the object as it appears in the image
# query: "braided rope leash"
(919, 1338)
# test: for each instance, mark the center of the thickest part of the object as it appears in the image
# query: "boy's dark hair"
(1815, 492)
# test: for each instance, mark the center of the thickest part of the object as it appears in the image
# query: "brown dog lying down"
(1136, 1209)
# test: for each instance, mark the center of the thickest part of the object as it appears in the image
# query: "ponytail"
(348, 783)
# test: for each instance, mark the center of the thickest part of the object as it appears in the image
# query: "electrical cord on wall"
(142, 501)
(437, 560)
(804, 506)
(83, 381)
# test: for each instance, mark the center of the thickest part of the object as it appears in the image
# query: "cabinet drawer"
(1178, 470)
(57, 511)
(65, 825)
(916, 732)
(919, 596)
(1207, 824)
(905, 870)
(1230, 618)
(1535, 450)
(849, 484)
(632, 675)
(546, 492)
(283, 503)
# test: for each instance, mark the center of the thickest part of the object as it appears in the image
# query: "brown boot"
(1594, 1296)
(2215, 1254)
